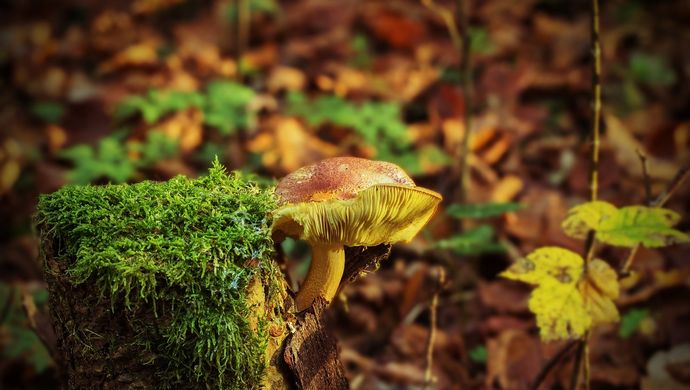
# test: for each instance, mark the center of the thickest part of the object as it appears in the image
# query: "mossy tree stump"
(164, 285)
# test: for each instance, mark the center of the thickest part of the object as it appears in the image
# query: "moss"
(184, 251)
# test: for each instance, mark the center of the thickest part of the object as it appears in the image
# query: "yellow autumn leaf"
(567, 302)
(587, 216)
(599, 288)
(559, 310)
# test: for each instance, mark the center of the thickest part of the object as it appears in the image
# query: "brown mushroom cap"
(354, 202)
(338, 178)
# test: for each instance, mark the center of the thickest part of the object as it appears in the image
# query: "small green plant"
(480, 239)
(379, 125)
(361, 52)
(480, 40)
(652, 70)
(479, 354)
(631, 321)
(569, 298)
(114, 160)
(47, 111)
(224, 105)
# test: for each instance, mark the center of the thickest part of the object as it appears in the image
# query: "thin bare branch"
(552, 363)
(645, 177)
(433, 308)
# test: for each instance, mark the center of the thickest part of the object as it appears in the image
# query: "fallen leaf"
(626, 147)
(57, 137)
(514, 360)
(507, 189)
(186, 127)
(288, 146)
(286, 78)
(139, 54)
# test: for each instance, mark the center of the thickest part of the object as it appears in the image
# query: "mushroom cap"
(338, 178)
(352, 201)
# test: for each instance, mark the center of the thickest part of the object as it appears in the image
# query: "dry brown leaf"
(497, 150)
(185, 127)
(10, 167)
(406, 81)
(394, 27)
(626, 146)
(139, 54)
(9, 173)
(514, 360)
(57, 137)
(507, 189)
(289, 146)
(286, 78)
(152, 6)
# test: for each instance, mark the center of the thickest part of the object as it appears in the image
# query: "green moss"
(186, 251)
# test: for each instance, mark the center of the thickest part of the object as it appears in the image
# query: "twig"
(587, 362)
(579, 355)
(645, 177)
(241, 33)
(468, 96)
(673, 186)
(590, 242)
(596, 101)
(460, 36)
(428, 378)
(552, 363)
(660, 201)
(4, 313)
(448, 19)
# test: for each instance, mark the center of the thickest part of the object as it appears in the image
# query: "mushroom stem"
(323, 277)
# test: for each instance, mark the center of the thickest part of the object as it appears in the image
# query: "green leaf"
(481, 210)
(475, 241)
(651, 69)
(649, 226)
(480, 40)
(479, 354)
(49, 112)
(628, 226)
(631, 321)
(157, 147)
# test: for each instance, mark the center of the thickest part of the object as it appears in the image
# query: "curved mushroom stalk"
(323, 277)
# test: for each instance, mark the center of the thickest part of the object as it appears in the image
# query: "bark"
(93, 342)
(95, 349)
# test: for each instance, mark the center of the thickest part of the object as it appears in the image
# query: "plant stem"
(660, 201)
(596, 101)
(428, 378)
(590, 242)
(551, 364)
(242, 15)
(468, 95)
(645, 177)
(579, 355)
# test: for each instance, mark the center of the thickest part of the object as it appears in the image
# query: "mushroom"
(347, 201)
